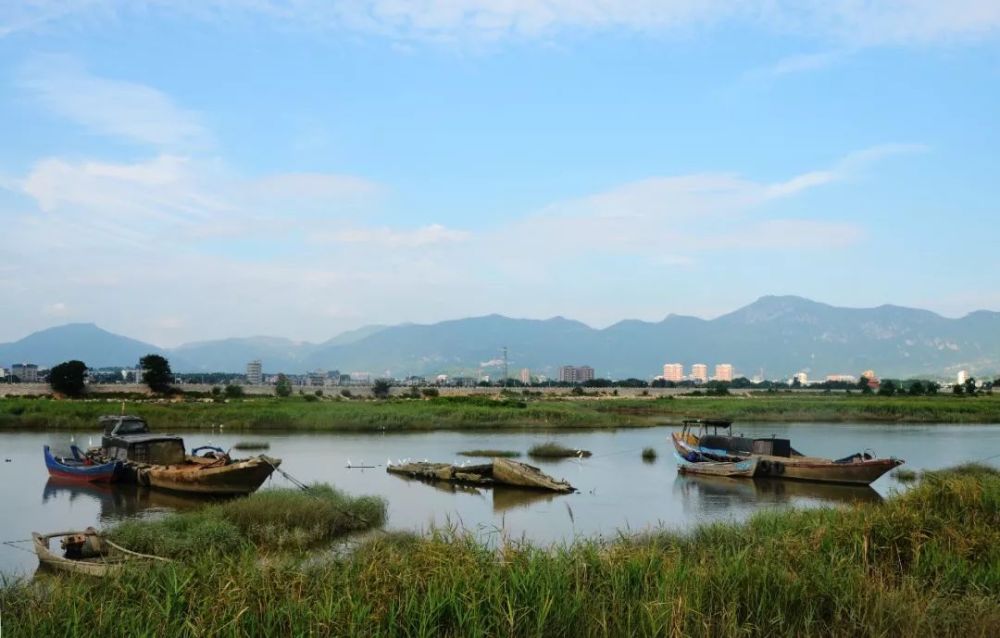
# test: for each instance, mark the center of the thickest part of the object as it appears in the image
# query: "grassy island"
(926, 563)
(481, 412)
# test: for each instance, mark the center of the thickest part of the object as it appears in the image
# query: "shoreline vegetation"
(925, 562)
(484, 412)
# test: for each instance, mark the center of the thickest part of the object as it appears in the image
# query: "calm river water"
(618, 491)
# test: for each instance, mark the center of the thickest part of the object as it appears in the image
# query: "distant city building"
(962, 377)
(25, 372)
(723, 372)
(869, 374)
(699, 373)
(673, 372)
(802, 378)
(841, 378)
(317, 378)
(574, 374)
(3, 373)
(526, 376)
(255, 375)
(441, 379)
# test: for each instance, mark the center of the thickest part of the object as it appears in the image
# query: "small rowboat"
(80, 468)
(694, 461)
(85, 552)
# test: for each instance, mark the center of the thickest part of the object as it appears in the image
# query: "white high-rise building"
(963, 376)
(526, 376)
(699, 373)
(723, 372)
(802, 378)
(254, 373)
(673, 372)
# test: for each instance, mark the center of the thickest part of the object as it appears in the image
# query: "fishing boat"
(776, 458)
(85, 552)
(80, 468)
(160, 461)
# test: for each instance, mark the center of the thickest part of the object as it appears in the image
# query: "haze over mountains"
(779, 335)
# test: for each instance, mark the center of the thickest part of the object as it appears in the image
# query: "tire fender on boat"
(764, 467)
(779, 467)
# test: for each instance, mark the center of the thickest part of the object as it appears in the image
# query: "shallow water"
(618, 490)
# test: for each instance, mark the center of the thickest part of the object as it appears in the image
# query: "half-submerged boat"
(80, 468)
(776, 458)
(85, 552)
(160, 461)
(499, 471)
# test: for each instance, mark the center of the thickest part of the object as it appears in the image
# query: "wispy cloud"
(124, 110)
(476, 21)
(394, 238)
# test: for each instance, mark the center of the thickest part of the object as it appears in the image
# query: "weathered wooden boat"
(160, 461)
(80, 468)
(499, 471)
(85, 552)
(776, 458)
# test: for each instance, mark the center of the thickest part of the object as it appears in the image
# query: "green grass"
(482, 412)
(924, 563)
(509, 454)
(552, 450)
(251, 445)
(648, 454)
(272, 519)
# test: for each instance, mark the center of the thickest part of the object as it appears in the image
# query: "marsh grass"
(904, 475)
(924, 563)
(251, 445)
(510, 454)
(648, 454)
(287, 414)
(552, 450)
(269, 520)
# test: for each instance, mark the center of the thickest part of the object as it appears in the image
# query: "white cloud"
(390, 238)
(475, 21)
(125, 110)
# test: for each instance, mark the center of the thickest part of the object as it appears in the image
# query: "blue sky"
(188, 170)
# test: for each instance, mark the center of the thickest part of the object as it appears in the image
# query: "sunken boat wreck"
(161, 461)
(499, 471)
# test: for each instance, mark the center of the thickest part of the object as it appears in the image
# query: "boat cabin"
(127, 438)
(707, 434)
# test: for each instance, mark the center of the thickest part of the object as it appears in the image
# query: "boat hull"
(80, 471)
(239, 478)
(859, 472)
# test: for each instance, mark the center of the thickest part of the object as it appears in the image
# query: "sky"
(195, 169)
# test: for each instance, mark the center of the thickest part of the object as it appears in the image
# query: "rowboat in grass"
(85, 552)
(775, 457)
(79, 467)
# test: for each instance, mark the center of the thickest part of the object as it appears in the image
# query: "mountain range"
(780, 335)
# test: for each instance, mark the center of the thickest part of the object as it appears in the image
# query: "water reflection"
(508, 498)
(714, 493)
(119, 500)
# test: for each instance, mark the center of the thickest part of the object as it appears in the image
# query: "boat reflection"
(714, 493)
(120, 500)
(508, 498)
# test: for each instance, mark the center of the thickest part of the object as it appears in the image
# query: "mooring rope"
(305, 488)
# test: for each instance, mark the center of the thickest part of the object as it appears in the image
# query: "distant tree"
(741, 382)
(381, 387)
(796, 383)
(283, 387)
(957, 389)
(970, 386)
(68, 378)
(234, 391)
(156, 373)
(216, 391)
(430, 393)
(863, 383)
(346, 393)
(887, 389)
(318, 393)
(577, 391)
(916, 388)
(932, 387)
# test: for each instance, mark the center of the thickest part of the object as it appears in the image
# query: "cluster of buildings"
(699, 373)
(575, 374)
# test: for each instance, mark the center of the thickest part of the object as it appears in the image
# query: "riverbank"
(926, 562)
(481, 412)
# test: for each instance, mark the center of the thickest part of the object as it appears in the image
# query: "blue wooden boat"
(80, 468)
